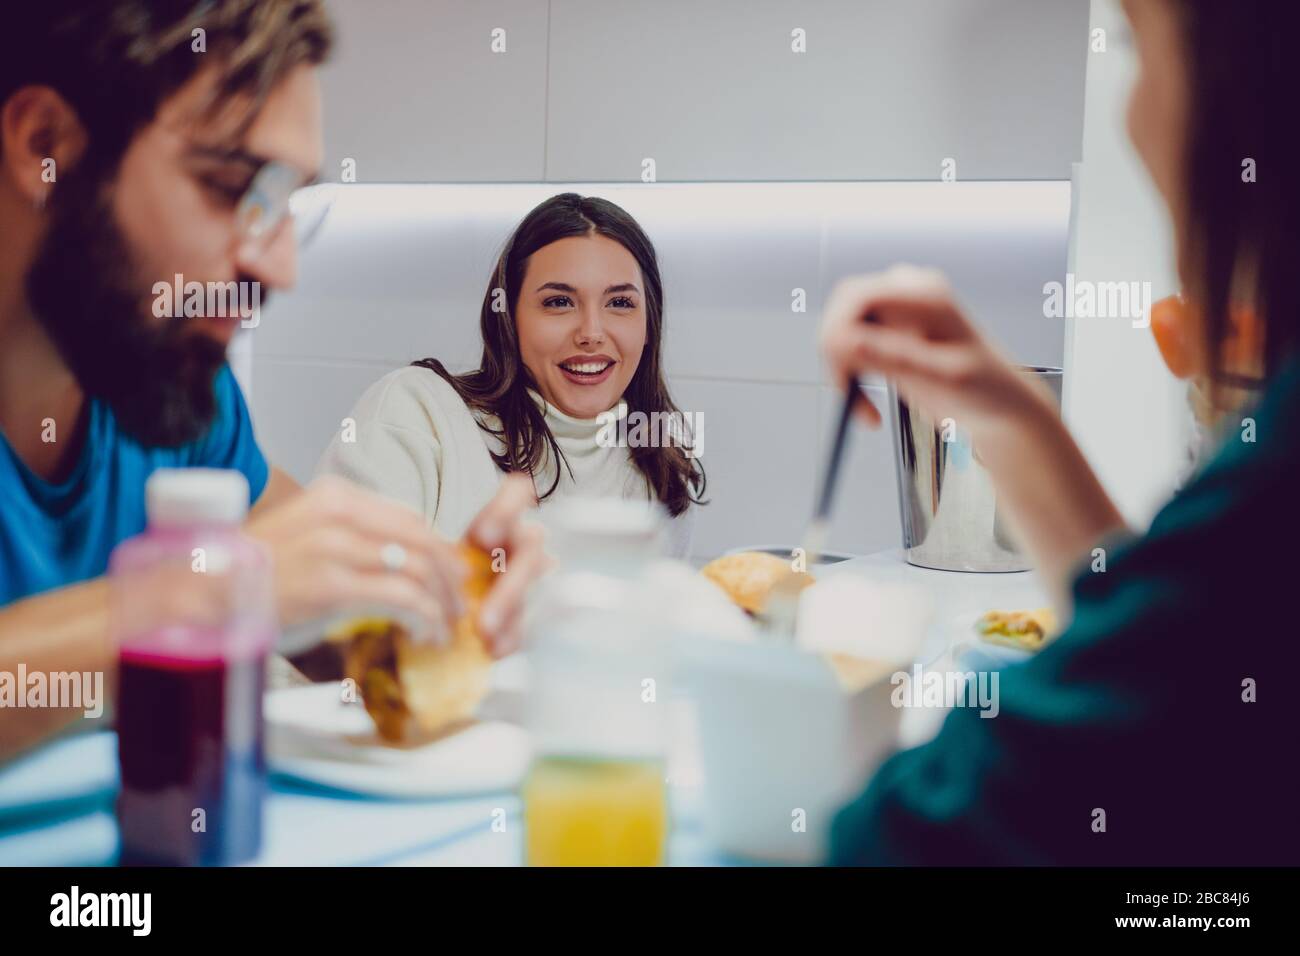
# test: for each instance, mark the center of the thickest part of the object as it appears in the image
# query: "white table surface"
(56, 804)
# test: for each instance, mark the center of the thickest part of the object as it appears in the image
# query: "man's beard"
(154, 374)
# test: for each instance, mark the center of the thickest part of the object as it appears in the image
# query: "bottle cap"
(184, 497)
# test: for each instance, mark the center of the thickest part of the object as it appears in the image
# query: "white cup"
(783, 746)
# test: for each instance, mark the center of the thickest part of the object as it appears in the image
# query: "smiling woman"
(572, 324)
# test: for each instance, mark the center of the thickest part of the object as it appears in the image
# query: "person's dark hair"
(117, 61)
(499, 386)
(1241, 238)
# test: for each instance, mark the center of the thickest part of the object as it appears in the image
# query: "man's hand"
(335, 546)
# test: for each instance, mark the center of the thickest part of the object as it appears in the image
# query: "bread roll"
(749, 576)
(415, 690)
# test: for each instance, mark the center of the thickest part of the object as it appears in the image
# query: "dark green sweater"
(1137, 709)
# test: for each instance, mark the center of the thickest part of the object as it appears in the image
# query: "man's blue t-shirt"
(57, 534)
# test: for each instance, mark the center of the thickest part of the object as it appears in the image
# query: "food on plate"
(416, 689)
(749, 576)
(1026, 630)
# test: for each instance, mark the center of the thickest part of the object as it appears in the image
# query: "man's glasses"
(274, 196)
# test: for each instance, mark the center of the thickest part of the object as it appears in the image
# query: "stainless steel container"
(947, 505)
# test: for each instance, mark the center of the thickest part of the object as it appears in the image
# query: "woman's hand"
(502, 525)
(918, 337)
(337, 546)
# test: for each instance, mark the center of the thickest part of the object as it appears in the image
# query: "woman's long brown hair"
(1242, 241)
(499, 386)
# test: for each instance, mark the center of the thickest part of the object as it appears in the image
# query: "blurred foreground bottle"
(595, 794)
(194, 619)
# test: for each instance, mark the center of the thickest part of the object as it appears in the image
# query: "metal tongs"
(780, 612)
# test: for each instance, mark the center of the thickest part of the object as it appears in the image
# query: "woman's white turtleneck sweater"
(418, 443)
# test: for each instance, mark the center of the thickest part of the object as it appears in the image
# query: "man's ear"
(41, 137)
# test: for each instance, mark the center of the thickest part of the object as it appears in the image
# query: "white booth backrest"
(398, 273)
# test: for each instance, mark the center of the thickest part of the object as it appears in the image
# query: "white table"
(56, 804)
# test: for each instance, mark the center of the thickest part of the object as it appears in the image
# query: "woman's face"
(1159, 102)
(581, 322)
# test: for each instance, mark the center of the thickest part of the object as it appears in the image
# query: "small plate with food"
(408, 719)
(998, 638)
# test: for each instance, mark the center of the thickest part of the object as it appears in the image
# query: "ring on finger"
(392, 556)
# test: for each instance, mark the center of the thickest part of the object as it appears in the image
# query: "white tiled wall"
(587, 89)
(760, 453)
(413, 92)
(398, 273)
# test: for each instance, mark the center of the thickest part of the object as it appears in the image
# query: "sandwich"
(415, 690)
(1024, 630)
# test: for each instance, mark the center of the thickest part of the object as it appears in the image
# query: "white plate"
(314, 736)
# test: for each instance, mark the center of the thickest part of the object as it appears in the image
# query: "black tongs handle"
(852, 393)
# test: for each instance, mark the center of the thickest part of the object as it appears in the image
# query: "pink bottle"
(194, 619)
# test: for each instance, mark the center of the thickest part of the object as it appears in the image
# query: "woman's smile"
(587, 370)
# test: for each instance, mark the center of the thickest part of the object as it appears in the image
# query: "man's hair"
(116, 61)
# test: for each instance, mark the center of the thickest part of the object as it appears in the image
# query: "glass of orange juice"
(595, 794)
(585, 811)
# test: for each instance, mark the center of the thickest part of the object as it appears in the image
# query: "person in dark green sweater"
(1155, 729)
